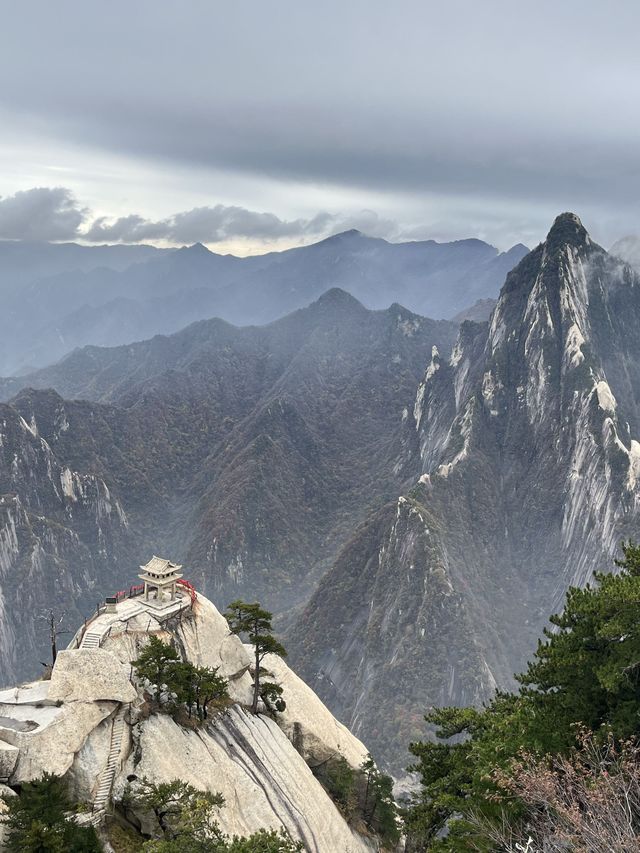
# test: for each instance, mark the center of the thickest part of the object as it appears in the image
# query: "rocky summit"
(530, 478)
(90, 724)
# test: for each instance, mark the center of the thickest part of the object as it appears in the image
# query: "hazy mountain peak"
(339, 298)
(196, 249)
(349, 238)
(349, 234)
(628, 249)
(517, 249)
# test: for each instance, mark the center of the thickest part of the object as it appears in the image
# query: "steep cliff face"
(90, 725)
(60, 532)
(530, 478)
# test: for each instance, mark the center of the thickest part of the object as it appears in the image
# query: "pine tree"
(37, 821)
(585, 675)
(252, 620)
(155, 662)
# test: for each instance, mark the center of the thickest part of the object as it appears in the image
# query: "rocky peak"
(530, 479)
(567, 229)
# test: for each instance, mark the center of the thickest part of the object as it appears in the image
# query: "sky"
(262, 124)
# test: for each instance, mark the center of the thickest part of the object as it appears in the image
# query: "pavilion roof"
(159, 566)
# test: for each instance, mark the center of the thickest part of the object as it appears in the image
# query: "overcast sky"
(259, 123)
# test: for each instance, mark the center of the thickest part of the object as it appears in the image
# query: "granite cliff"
(91, 725)
(530, 478)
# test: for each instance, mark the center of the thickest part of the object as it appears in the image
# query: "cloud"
(222, 223)
(447, 101)
(41, 213)
(54, 214)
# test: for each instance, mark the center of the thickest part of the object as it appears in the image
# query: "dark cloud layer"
(41, 213)
(489, 106)
(206, 225)
(45, 213)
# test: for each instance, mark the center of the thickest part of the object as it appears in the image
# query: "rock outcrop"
(90, 725)
(89, 675)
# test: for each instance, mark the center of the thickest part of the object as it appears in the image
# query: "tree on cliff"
(37, 821)
(188, 821)
(155, 663)
(585, 677)
(255, 623)
(196, 686)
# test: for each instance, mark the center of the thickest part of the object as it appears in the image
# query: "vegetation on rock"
(516, 768)
(178, 681)
(187, 819)
(363, 795)
(40, 820)
(255, 623)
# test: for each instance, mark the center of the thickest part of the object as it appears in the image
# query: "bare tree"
(587, 802)
(54, 622)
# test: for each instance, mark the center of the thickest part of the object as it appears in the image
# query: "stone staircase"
(91, 640)
(108, 774)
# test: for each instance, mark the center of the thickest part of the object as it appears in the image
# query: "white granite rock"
(251, 760)
(248, 759)
(8, 759)
(34, 693)
(51, 748)
(309, 724)
(207, 641)
(89, 760)
(84, 675)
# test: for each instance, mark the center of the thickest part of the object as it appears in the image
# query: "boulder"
(8, 759)
(51, 748)
(309, 724)
(83, 675)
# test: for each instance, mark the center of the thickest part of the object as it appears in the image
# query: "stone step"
(108, 774)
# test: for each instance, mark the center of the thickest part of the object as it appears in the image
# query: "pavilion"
(162, 576)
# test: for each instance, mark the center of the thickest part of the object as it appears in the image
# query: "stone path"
(108, 774)
(91, 640)
(99, 626)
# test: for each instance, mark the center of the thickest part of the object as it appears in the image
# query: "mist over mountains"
(250, 454)
(57, 297)
(411, 497)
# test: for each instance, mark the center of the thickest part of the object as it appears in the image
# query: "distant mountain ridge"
(58, 298)
(411, 497)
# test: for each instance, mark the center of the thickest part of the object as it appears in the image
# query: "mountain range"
(411, 497)
(56, 298)
(530, 478)
(247, 454)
